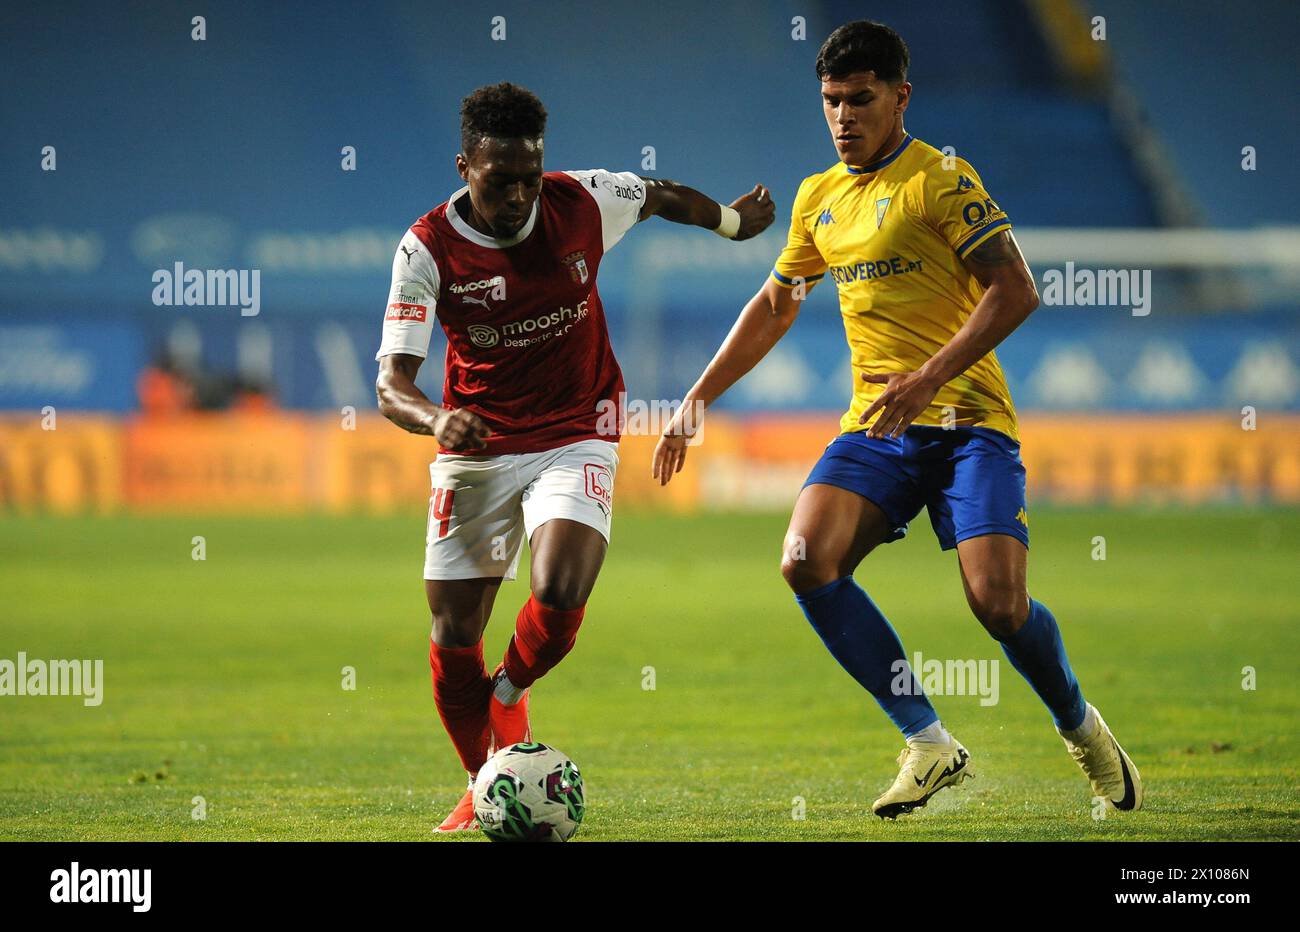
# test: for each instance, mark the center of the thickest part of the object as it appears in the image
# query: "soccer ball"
(529, 792)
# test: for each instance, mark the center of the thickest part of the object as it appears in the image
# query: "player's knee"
(452, 630)
(561, 593)
(1001, 609)
(803, 574)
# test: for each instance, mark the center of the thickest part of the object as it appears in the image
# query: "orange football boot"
(461, 818)
(509, 722)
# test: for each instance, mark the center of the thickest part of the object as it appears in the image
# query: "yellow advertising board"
(371, 465)
(60, 464)
(1189, 459)
(217, 463)
(1070, 459)
(282, 463)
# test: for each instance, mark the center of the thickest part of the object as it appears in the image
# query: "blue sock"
(1037, 653)
(866, 646)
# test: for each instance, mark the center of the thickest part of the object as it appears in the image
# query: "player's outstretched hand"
(670, 451)
(460, 430)
(906, 396)
(670, 454)
(756, 212)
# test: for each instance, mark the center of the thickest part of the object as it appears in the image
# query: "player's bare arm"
(1010, 296)
(680, 204)
(410, 409)
(764, 320)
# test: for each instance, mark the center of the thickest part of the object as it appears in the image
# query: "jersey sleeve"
(412, 298)
(956, 205)
(620, 196)
(800, 259)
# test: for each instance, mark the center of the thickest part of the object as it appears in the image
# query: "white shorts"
(482, 507)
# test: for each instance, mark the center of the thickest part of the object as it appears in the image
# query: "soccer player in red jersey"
(508, 266)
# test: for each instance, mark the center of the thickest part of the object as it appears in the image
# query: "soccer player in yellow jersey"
(930, 280)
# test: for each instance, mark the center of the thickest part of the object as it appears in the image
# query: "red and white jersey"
(527, 346)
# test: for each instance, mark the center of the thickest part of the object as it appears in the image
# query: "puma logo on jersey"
(409, 253)
(495, 287)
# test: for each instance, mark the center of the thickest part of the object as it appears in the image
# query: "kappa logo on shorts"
(600, 484)
(1022, 517)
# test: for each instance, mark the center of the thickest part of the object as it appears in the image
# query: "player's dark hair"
(864, 46)
(500, 111)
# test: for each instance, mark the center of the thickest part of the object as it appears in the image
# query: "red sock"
(461, 690)
(542, 637)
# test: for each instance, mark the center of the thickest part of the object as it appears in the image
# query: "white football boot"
(1110, 771)
(924, 769)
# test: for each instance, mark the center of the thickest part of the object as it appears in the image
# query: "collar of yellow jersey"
(881, 163)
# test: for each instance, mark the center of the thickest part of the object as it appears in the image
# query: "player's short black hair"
(500, 111)
(864, 46)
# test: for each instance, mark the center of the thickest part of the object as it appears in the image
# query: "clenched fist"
(756, 212)
(460, 430)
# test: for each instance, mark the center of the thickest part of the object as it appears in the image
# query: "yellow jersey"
(891, 235)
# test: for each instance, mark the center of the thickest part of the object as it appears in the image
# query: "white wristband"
(730, 224)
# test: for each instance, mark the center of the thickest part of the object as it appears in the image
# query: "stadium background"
(226, 153)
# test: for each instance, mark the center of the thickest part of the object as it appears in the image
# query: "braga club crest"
(577, 263)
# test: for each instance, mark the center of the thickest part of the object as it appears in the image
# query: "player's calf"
(460, 690)
(543, 637)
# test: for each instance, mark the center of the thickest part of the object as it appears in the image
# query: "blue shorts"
(970, 479)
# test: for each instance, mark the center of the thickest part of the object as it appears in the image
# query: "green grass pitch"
(223, 680)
